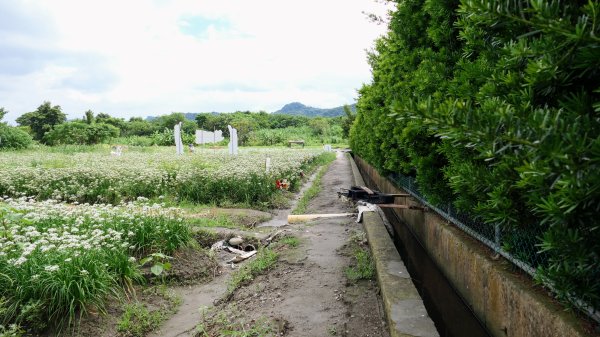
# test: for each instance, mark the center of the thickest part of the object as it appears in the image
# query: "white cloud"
(141, 57)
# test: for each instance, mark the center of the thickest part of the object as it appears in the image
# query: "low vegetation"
(221, 323)
(137, 320)
(263, 261)
(362, 266)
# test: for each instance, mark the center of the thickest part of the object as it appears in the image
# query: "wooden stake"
(295, 218)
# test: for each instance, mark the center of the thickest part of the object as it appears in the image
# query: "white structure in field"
(116, 150)
(327, 147)
(177, 135)
(233, 140)
(208, 137)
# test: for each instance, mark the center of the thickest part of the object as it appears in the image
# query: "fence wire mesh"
(518, 245)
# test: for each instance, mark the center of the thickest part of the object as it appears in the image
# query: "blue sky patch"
(198, 26)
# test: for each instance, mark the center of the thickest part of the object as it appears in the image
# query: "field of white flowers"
(57, 259)
(75, 223)
(207, 176)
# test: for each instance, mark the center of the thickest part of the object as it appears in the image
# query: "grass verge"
(264, 260)
(223, 323)
(363, 266)
(137, 320)
(315, 188)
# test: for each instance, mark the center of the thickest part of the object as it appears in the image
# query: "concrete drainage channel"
(417, 299)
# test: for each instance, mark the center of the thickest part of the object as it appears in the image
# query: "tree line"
(48, 125)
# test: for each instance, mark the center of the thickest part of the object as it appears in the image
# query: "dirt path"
(307, 293)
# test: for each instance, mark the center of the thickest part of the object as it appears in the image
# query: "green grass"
(137, 320)
(222, 323)
(263, 261)
(364, 268)
(291, 241)
(315, 188)
(213, 221)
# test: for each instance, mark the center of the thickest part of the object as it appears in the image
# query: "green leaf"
(157, 269)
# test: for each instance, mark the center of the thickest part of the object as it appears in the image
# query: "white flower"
(20, 261)
(51, 268)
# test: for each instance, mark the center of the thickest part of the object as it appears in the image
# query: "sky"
(152, 57)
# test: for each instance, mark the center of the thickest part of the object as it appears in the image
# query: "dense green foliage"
(13, 138)
(495, 105)
(80, 133)
(48, 125)
(274, 129)
(43, 119)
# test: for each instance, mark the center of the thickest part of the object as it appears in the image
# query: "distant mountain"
(294, 109)
(299, 109)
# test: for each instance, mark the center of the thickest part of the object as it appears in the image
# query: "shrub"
(13, 138)
(80, 133)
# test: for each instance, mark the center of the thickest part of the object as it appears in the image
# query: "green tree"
(119, 123)
(3, 113)
(89, 117)
(43, 119)
(81, 133)
(347, 121)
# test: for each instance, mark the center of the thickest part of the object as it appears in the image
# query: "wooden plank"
(368, 190)
(295, 218)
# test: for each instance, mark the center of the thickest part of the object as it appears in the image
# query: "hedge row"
(495, 105)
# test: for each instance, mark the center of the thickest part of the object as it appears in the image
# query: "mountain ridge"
(292, 109)
(299, 109)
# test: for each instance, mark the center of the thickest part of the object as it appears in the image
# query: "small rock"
(236, 241)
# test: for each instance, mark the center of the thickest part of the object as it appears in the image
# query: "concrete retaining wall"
(506, 302)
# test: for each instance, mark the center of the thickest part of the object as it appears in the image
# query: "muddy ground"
(305, 293)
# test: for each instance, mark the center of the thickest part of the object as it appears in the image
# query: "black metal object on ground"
(366, 194)
(362, 193)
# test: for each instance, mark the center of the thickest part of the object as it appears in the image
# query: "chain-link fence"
(518, 245)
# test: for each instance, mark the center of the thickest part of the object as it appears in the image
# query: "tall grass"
(58, 261)
(315, 188)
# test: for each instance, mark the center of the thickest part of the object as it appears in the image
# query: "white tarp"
(208, 137)
(233, 140)
(177, 135)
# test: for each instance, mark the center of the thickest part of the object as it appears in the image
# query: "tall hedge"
(495, 105)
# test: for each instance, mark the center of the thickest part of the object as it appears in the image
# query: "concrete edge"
(404, 309)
